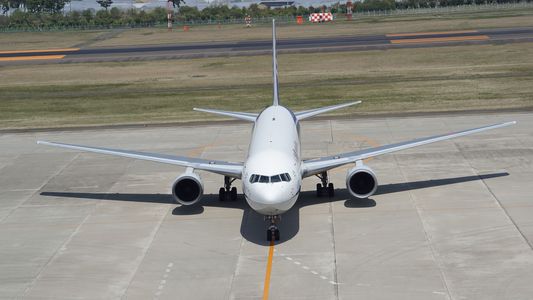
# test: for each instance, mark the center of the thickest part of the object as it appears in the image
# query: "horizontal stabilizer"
(250, 117)
(313, 112)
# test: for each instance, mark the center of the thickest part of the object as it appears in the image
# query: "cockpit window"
(285, 177)
(254, 178)
(272, 179)
(275, 178)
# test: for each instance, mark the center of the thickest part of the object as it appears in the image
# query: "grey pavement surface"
(263, 47)
(451, 220)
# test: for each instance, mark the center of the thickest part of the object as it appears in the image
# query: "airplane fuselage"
(272, 178)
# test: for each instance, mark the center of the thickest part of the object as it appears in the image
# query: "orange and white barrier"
(320, 17)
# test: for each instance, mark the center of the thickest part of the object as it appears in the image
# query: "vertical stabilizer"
(274, 64)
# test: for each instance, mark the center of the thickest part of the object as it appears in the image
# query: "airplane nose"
(270, 197)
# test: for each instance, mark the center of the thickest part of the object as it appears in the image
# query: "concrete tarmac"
(451, 220)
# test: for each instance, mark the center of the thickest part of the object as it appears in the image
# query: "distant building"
(275, 4)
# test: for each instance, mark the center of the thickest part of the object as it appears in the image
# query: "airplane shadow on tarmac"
(253, 226)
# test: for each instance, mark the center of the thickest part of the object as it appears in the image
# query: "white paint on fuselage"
(274, 149)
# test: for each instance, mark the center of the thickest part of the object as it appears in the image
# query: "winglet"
(275, 101)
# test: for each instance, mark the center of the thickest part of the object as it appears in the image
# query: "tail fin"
(275, 101)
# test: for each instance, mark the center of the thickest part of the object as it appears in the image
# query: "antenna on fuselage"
(275, 101)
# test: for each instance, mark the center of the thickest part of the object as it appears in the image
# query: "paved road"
(339, 43)
(451, 220)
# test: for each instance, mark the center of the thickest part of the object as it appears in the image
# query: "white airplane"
(273, 171)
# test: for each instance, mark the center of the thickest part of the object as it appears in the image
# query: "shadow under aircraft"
(251, 228)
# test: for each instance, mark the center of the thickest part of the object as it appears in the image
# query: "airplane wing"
(313, 112)
(318, 165)
(215, 166)
(250, 117)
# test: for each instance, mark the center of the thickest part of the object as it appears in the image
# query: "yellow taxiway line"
(40, 51)
(19, 58)
(266, 287)
(441, 39)
(430, 33)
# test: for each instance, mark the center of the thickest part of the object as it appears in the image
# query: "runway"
(340, 43)
(451, 220)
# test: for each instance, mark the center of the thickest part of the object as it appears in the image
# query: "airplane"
(273, 171)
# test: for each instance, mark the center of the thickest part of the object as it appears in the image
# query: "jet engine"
(361, 181)
(188, 188)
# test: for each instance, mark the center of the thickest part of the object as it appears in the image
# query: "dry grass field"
(399, 80)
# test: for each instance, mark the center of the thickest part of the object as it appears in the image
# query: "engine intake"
(188, 188)
(361, 181)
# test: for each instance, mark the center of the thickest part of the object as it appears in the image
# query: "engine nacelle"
(188, 188)
(361, 181)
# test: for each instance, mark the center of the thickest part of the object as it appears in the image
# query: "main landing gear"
(227, 192)
(272, 231)
(324, 188)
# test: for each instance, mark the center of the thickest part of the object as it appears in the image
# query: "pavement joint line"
(58, 252)
(496, 199)
(145, 249)
(239, 257)
(59, 171)
(433, 251)
(335, 278)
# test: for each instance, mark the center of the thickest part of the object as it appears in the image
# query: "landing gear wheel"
(318, 190)
(272, 234)
(331, 190)
(233, 194)
(222, 194)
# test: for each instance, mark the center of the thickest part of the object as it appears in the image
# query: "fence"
(291, 19)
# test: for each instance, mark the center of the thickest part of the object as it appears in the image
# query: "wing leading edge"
(316, 166)
(215, 166)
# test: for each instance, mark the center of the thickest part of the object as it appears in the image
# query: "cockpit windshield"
(270, 179)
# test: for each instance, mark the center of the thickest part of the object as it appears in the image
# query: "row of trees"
(34, 6)
(49, 13)
(52, 6)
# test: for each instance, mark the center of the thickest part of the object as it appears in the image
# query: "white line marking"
(22, 190)
(141, 184)
(84, 187)
(297, 263)
(170, 265)
(314, 272)
(305, 267)
(167, 270)
(160, 287)
(288, 258)
(323, 277)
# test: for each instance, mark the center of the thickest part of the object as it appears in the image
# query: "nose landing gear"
(272, 231)
(227, 192)
(325, 188)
